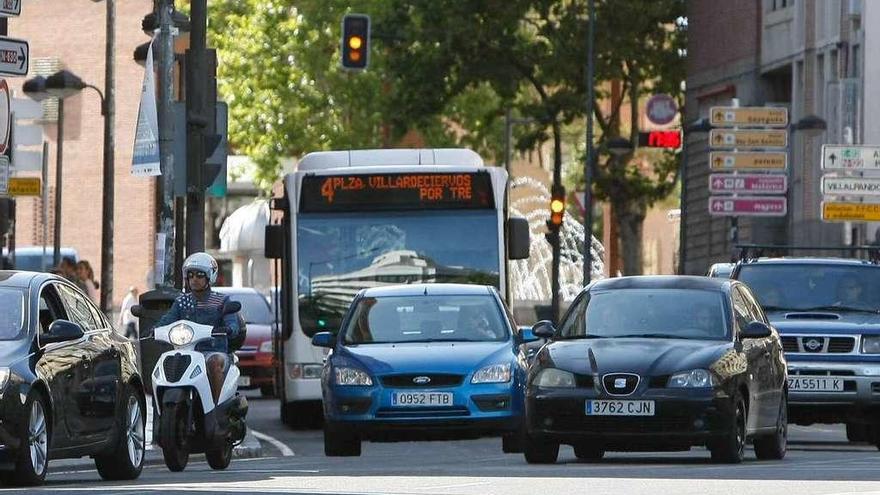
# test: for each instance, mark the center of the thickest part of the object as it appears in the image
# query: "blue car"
(421, 362)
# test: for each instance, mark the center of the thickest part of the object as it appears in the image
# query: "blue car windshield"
(401, 319)
(341, 253)
(670, 313)
(803, 287)
(12, 316)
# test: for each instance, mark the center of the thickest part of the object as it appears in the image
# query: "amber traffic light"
(557, 208)
(355, 41)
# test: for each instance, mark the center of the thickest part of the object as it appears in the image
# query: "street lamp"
(36, 89)
(698, 126)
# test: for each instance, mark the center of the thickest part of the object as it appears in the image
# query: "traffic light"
(355, 41)
(557, 207)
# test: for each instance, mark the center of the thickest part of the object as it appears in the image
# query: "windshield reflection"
(805, 287)
(339, 254)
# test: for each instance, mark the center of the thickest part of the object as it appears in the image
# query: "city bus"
(349, 220)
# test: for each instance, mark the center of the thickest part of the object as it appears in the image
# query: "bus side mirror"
(517, 238)
(274, 247)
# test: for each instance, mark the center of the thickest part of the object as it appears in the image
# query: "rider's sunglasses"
(195, 274)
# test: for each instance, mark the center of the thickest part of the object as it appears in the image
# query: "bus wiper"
(839, 307)
(650, 336)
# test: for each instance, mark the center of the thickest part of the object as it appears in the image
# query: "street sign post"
(851, 186)
(10, 8)
(839, 211)
(850, 157)
(755, 160)
(13, 57)
(24, 186)
(748, 184)
(752, 138)
(748, 206)
(748, 116)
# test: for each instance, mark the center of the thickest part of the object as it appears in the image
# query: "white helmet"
(201, 262)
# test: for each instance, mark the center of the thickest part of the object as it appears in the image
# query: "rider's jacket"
(205, 311)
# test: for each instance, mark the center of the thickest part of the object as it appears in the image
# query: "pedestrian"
(128, 322)
(87, 276)
(67, 269)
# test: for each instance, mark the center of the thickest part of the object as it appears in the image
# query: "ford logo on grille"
(813, 345)
(422, 380)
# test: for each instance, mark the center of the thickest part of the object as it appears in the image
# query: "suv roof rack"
(751, 252)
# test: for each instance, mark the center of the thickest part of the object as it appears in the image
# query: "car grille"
(620, 383)
(841, 344)
(418, 380)
(439, 412)
(618, 424)
(818, 344)
(174, 366)
(790, 344)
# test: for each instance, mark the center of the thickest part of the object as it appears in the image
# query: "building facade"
(805, 55)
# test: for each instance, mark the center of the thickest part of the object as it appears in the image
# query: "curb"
(249, 448)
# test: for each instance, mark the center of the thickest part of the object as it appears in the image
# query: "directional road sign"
(24, 186)
(10, 8)
(849, 157)
(13, 56)
(753, 138)
(750, 160)
(748, 206)
(838, 211)
(748, 116)
(850, 186)
(748, 183)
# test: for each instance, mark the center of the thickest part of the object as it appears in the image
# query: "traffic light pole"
(196, 123)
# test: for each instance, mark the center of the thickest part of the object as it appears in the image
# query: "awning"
(245, 228)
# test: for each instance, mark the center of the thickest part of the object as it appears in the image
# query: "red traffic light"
(355, 41)
(660, 139)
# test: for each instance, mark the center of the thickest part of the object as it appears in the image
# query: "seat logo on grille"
(812, 345)
(422, 380)
(620, 383)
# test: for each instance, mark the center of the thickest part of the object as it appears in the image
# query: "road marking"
(278, 444)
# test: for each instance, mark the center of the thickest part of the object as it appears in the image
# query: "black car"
(69, 384)
(658, 364)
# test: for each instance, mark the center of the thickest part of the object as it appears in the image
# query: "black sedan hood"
(644, 356)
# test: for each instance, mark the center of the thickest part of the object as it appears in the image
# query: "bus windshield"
(341, 253)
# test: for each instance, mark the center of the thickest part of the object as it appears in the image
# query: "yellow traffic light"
(557, 205)
(355, 42)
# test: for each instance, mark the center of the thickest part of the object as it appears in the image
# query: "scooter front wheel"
(174, 438)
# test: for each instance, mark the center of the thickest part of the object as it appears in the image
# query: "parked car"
(720, 270)
(658, 364)
(826, 310)
(70, 384)
(35, 259)
(421, 360)
(256, 358)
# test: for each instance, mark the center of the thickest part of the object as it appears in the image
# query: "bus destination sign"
(393, 191)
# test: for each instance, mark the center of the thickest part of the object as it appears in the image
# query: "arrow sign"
(748, 183)
(13, 57)
(748, 206)
(752, 138)
(749, 116)
(849, 157)
(752, 160)
(851, 186)
(10, 8)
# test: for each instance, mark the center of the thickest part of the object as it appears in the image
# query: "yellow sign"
(756, 138)
(24, 186)
(728, 160)
(748, 116)
(833, 211)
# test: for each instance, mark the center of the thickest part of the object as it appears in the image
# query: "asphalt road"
(819, 461)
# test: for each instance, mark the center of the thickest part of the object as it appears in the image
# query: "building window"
(780, 4)
(856, 61)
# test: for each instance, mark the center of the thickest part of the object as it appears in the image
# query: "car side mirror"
(517, 238)
(137, 310)
(544, 329)
(62, 331)
(231, 307)
(755, 330)
(526, 335)
(324, 339)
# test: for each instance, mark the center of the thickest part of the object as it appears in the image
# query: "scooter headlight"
(181, 335)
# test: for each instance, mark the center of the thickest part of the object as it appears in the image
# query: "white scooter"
(188, 419)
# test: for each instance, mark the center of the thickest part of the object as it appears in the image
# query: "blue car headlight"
(691, 379)
(554, 378)
(496, 373)
(352, 376)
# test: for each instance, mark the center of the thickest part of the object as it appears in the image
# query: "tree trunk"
(630, 220)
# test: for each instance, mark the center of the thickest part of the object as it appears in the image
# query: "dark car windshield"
(399, 319)
(659, 313)
(12, 316)
(254, 308)
(810, 287)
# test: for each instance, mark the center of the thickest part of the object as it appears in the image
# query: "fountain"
(531, 277)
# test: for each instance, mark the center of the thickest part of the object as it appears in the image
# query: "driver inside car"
(203, 306)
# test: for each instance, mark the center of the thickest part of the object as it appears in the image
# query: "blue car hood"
(826, 322)
(434, 357)
(647, 357)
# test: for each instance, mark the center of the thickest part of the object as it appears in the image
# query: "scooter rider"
(203, 306)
